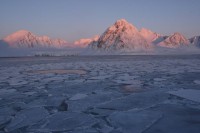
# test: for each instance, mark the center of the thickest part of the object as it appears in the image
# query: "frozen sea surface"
(100, 94)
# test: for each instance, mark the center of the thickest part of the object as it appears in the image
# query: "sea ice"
(133, 121)
(6, 91)
(68, 121)
(189, 94)
(59, 72)
(59, 100)
(78, 97)
(197, 82)
(26, 117)
(159, 79)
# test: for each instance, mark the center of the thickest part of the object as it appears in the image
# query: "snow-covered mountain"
(174, 41)
(85, 41)
(26, 39)
(122, 36)
(195, 41)
(149, 35)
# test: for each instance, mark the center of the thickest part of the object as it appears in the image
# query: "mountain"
(85, 41)
(174, 41)
(195, 41)
(122, 36)
(149, 35)
(26, 39)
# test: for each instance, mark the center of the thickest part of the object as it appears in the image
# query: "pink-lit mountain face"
(85, 41)
(26, 39)
(121, 36)
(174, 41)
(124, 36)
(149, 35)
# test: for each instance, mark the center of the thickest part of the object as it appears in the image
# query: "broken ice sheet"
(30, 93)
(135, 100)
(193, 95)
(128, 81)
(59, 71)
(7, 91)
(26, 118)
(197, 82)
(102, 95)
(90, 101)
(78, 97)
(132, 88)
(68, 121)
(100, 77)
(16, 82)
(159, 79)
(4, 120)
(133, 121)
(176, 119)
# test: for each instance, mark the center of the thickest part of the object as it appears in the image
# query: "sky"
(75, 19)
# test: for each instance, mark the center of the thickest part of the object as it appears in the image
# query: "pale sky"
(75, 19)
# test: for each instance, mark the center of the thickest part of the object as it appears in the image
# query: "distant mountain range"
(121, 36)
(26, 39)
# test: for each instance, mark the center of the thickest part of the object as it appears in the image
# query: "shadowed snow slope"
(195, 41)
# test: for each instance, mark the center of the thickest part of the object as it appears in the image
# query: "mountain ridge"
(124, 36)
(121, 36)
(26, 39)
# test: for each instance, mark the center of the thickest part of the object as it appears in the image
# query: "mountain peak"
(177, 34)
(18, 35)
(121, 22)
(121, 36)
(178, 37)
(121, 25)
(22, 31)
(174, 41)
